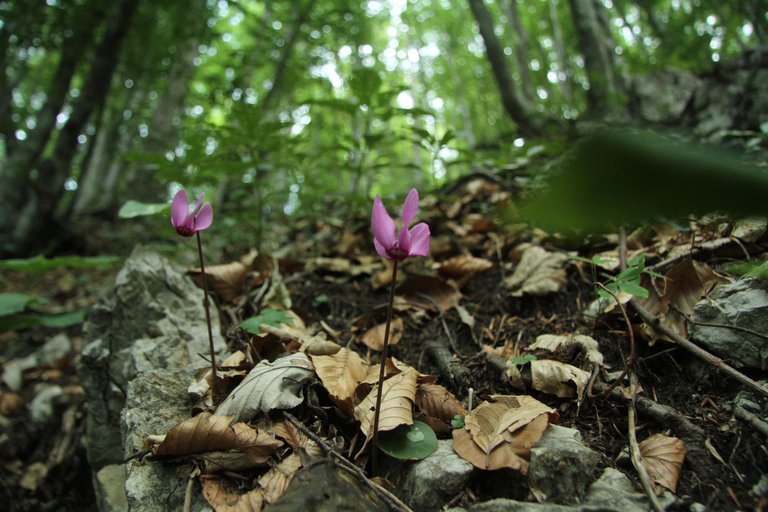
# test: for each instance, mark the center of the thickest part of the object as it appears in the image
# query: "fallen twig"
(637, 457)
(696, 350)
(343, 463)
(758, 424)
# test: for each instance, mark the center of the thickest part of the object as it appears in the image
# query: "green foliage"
(523, 359)
(627, 281)
(268, 316)
(133, 209)
(14, 314)
(409, 442)
(41, 263)
(458, 421)
(11, 303)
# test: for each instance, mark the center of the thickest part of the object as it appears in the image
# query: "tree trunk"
(520, 40)
(35, 219)
(514, 104)
(562, 56)
(603, 87)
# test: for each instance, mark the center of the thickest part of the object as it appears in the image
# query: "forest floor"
(471, 307)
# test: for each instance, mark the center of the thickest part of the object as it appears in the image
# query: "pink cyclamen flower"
(408, 242)
(187, 220)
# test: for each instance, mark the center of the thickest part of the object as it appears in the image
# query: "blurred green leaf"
(40, 263)
(269, 316)
(53, 320)
(133, 208)
(11, 303)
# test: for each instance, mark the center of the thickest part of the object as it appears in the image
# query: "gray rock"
(742, 304)
(109, 483)
(612, 492)
(561, 466)
(661, 96)
(153, 323)
(431, 482)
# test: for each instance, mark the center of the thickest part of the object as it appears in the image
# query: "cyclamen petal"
(404, 241)
(204, 218)
(410, 207)
(179, 208)
(419, 240)
(380, 249)
(382, 225)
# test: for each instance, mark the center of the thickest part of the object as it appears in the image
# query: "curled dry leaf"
(275, 481)
(296, 438)
(221, 495)
(269, 386)
(374, 337)
(663, 458)
(683, 286)
(557, 378)
(565, 345)
(227, 280)
(501, 433)
(397, 398)
(431, 293)
(462, 265)
(208, 433)
(341, 373)
(438, 405)
(539, 272)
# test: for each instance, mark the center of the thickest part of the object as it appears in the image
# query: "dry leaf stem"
(344, 464)
(631, 358)
(696, 350)
(382, 366)
(207, 304)
(637, 457)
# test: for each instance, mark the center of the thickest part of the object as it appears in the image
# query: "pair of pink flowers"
(408, 242)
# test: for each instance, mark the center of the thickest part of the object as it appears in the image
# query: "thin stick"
(206, 304)
(631, 359)
(377, 412)
(347, 466)
(637, 459)
(696, 350)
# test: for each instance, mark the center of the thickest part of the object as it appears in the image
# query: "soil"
(735, 457)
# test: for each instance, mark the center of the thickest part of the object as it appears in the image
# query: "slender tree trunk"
(35, 220)
(603, 88)
(514, 103)
(520, 39)
(562, 55)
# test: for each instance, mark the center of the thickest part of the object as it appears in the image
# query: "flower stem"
(206, 304)
(377, 411)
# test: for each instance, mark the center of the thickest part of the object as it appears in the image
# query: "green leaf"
(523, 359)
(53, 320)
(457, 421)
(133, 208)
(637, 261)
(409, 442)
(11, 303)
(269, 316)
(634, 288)
(40, 263)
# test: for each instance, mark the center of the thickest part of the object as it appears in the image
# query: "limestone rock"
(743, 304)
(561, 466)
(431, 482)
(152, 323)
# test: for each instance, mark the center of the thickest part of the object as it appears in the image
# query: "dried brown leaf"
(490, 420)
(296, 438)
(557, 378)
(539, 272)
(341, 373)
(663, 458)
(462, 265)
(227, 280)
(683, 286)
(430, 293)
(275, 481)
(374, 337)
(208, 433)
(397, 399)
(437, 403)
(512, 453)
(222, 498)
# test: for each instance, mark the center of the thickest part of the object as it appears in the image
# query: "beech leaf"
(269, 386)
(374, 337)
(397, 399)
(438, 405)
(340, 373)
(275, 481)
(539, 272)
(222, 498)
(663, 458)
(209, 433)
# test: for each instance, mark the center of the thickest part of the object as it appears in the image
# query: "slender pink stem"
(377, 411)
(206, 304)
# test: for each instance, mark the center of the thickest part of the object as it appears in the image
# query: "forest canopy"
(285, 109)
